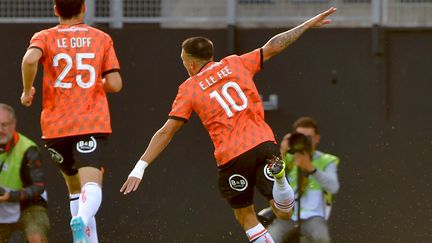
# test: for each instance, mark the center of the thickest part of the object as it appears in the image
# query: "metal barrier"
(407, 13)
(220, 13)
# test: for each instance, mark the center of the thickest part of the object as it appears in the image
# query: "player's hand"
(130, 185)
(134, 178)
(303, 161)
(321, 19)
(27, 98)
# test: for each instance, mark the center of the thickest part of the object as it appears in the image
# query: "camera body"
(299, 143)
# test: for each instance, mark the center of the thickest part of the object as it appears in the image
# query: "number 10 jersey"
(75, 59)
(224, 96)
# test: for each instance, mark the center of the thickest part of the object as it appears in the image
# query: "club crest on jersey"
(56, 156)
(86, 146)
(267, 173)
(238, 182)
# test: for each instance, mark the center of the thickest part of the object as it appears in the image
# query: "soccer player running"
(80, 66)
(224, 96)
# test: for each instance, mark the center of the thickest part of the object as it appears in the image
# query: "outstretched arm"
(29, 68)
(157, 144)
(281, 41)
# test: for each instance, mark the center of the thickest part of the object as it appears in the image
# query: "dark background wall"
(372, 104)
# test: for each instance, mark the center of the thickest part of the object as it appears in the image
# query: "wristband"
(138, 170)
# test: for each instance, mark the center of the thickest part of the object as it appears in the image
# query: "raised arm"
(157, 144)
(281, 41)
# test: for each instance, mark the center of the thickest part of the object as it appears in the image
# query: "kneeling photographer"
(23, 201)
(313, 176)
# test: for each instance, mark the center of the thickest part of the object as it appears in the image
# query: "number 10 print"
(230, 100)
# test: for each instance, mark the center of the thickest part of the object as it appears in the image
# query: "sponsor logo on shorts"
(267, 173)
(238, 182)
(86, 146)
(56, 156)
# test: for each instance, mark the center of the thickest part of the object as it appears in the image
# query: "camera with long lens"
(299, 143)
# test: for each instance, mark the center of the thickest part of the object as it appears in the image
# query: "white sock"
(74, 204)
(89, 201)
(259, 234)
(283, 195)
(93, 237)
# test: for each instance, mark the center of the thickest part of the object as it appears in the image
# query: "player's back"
(225, 98)
(74, 59)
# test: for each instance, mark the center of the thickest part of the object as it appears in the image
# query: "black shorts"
(239, 177)
(74, 152)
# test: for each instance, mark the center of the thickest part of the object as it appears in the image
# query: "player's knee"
(90, 174)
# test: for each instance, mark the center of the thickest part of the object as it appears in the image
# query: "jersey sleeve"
(253, 60)
(110, 62)
(182, 106)
(38, 41)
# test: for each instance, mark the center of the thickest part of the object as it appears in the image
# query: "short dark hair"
(307, 122)
(68, 8)
(199, 47)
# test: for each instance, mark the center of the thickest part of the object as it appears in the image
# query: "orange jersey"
(224, 96)
(74, 58)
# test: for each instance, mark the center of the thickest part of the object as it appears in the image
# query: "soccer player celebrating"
(80, 66)
(224, 96)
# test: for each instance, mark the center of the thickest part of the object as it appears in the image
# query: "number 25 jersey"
(224, 96)
(75, 59)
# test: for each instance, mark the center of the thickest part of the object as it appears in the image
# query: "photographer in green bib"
(313, 176)
(23, 202)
